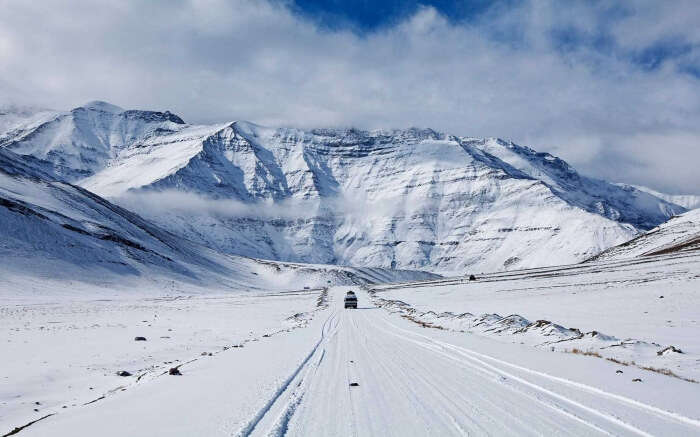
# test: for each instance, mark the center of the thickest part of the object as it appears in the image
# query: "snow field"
(410, 380)
(626, 310)
(66, 352)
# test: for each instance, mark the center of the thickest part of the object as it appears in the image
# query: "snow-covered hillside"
(411, 199)
(622, 203)
(13, 117)
(688, 201)
(83, 140)
(680, 234)
(55, 232)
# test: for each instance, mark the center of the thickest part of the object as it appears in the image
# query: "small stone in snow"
(354, 384)
(618, 371)
(123, 373)
(139, 338)
(661, 297)
(637, 380)
(174, 371)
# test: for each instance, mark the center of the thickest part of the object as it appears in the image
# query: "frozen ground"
(626, 310)
(60, 354)
(412, 380)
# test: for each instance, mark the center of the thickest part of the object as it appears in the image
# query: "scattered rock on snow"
(139, 338)
(668, 350)
(174, 371)
(123, 373)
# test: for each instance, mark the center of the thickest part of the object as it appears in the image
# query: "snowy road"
(412, 381)
(413, 384)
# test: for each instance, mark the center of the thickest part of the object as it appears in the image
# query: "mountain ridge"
(402, 198)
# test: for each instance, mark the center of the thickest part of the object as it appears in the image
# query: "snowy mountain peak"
(84, 140)
(99, 105)
(135, 114)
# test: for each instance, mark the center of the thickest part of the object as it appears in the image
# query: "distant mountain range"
(398, 199)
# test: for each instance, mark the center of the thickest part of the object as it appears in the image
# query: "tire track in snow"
(494, 377)
(480, 360)
(291, 393)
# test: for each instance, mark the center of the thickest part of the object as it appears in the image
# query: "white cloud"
(166, 203)
(215, 60)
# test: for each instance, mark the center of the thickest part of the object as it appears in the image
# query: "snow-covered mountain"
(414, 198)
(679, 234)
(14, 116)
(55, 231)
(83, 140)
(688, 201)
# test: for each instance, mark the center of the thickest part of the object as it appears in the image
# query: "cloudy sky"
(612, 87)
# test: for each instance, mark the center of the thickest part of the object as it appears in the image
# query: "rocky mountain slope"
(410, 199)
